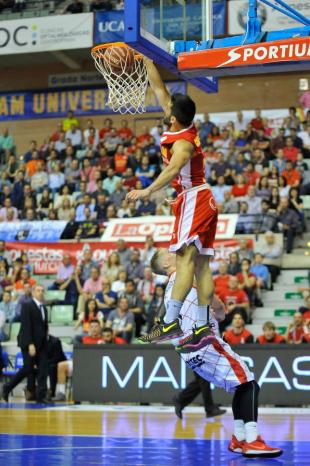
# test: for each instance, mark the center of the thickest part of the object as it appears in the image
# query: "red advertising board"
(46, 257)
(280, 51)
(159, 227)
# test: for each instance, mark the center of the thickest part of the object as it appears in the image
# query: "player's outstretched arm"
(157, 84)
(182, 152)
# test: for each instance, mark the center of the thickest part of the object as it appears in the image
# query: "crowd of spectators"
(82, 174)
(124, 295)
(78, 6)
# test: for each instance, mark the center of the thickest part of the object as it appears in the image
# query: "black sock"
(245, 402)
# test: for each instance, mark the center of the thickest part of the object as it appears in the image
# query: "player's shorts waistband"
(201, 187)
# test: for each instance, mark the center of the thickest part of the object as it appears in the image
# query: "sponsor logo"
(275, 372)
(18, 36)
(111, 26)
(277, 52)
(267, 52)
(166, 329)
(195, 362)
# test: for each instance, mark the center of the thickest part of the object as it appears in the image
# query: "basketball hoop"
(127, 80)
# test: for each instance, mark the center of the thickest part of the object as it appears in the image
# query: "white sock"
(202, 314)
(61, 388)
(173, 310)
(239, 430)
(251, 432)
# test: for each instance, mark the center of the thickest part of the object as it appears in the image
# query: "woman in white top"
(112, 267)
(65, 211)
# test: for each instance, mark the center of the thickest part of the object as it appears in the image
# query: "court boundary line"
(169, 409)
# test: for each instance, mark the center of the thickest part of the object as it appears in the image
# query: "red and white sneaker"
(258, 448)
(235, 445)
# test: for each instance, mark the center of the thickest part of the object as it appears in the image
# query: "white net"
(127, 83)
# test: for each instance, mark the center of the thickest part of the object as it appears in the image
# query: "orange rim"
(101, 47)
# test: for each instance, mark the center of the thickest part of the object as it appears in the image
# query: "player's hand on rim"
(136, 194)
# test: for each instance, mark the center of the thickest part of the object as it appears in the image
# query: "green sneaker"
(162, 332)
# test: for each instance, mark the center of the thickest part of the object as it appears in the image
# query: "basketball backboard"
(152, 26)
(178, 35)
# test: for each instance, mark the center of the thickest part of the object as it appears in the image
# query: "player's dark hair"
(183, 108)
(155, 263)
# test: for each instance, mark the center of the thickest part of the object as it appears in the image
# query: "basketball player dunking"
(219, 364)
(194, 209)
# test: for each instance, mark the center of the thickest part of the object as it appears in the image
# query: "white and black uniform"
(216, 362)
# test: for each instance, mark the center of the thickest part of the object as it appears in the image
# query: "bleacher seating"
(62, 314)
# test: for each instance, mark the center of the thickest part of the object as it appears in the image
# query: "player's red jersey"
(193, 173)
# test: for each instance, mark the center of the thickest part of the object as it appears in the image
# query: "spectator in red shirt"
(236, 300)
(251, 176)
(94, 336)
(56, 135)
(109, 339)
(125, 132)
(238, 334)
(130, 180)
(145, 138)
(240, 188)
(120, 160)
(257, 122)
(291, 175)
(106, 128)
(290, 151)
(295, 330)
(269, 335)
(247, 280)
(221, 280)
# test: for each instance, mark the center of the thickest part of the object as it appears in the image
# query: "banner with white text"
(56, 103)
(47, 257)
(153, 374)
(160, 227)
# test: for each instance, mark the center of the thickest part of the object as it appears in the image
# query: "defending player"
(219, 364)
(194, 209)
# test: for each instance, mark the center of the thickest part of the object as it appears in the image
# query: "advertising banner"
(56, 103)
(109, 27)
(288, 50)
(272, 20)
(160, 227)
(32, 231)
(76, 79)
(154, 373)
(47, 257)
(46, 34)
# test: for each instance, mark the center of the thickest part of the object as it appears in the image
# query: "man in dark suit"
(32, 339)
